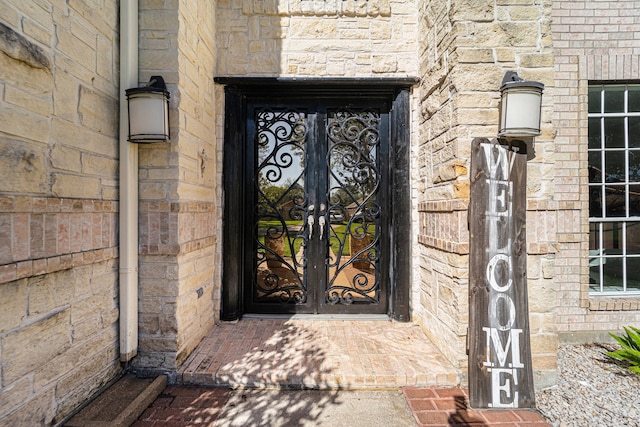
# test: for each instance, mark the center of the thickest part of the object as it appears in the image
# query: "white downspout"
(128, 235)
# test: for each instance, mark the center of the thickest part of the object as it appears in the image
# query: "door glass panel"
(279, 230)
(353, 209)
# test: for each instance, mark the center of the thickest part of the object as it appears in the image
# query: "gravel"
(592, 390)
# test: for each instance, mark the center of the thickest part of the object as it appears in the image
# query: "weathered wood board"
(500, 371)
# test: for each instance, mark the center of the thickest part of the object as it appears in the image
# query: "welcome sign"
(500, 372)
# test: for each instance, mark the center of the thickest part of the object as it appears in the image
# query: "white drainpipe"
(128, 186)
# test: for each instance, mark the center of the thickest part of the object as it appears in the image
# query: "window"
(614, 189)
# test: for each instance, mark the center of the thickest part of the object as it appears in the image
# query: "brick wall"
(593, 40)
(58, 206)
(180, 191)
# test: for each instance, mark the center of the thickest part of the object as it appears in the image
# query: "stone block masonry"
(180, 213)
(58, 341)
(464, 50)
(58, 206)
(302, 38)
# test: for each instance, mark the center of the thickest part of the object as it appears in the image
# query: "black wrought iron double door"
(317, 207)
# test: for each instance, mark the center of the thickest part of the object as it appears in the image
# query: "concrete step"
(121, 404)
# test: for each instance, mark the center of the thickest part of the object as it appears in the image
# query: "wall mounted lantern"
(149, 112)
(520, 106)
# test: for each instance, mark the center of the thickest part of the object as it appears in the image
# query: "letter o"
(493, 311)
(491, 277)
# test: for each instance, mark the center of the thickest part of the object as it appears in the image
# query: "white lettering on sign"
(502, 357)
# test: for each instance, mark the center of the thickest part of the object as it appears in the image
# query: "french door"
(317, 208)
(316, 188)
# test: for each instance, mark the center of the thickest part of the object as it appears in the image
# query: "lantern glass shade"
(148, 114)
(520, 107)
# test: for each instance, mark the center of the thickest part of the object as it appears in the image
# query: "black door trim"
(237, 90)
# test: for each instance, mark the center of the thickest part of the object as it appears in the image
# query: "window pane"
(633, 239)
(594, 274)
(614, 132)
(634, 200)
(595, 201)
(595, 166)
(615, 200)
(614, 99)
(612, 274)
(634, 165)
(594, 238)
(595, 137)
(634, 132)
(612, 238)
(614, 168)
(633, 274)
(634, 98)
(594, 99)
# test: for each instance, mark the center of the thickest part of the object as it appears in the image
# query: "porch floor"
(323, 354)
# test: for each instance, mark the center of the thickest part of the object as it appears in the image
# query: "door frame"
(237, 92)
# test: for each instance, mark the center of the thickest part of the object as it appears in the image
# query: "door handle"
(322, 220)
(310, 220)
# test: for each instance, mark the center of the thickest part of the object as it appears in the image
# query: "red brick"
(422, 404)
(6, 253)
(39, 266)
(432, 417)
(500, 416)
(7, 204)
(8, 273)
(468, 416)
(39, 204)
(24, 269)
(525, 415)
(183, 391)
(447, 404)
(162, 402)
(20, 237)
(419, 393)
(148, 414)
(36, 234)
(53, 264)
(64, 244)
(450, 392)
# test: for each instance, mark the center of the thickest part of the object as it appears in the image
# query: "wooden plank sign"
(500, 372)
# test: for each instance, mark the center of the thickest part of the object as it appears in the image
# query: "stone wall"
(302, 38)
(58, 206)
(594, 41)
(180, 208)
(465, 50)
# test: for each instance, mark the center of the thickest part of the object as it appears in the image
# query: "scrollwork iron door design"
(316, 182)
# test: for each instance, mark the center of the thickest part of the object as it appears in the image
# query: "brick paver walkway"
(185, 406)
(449, 407)
(324, 354)
(431, 407)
